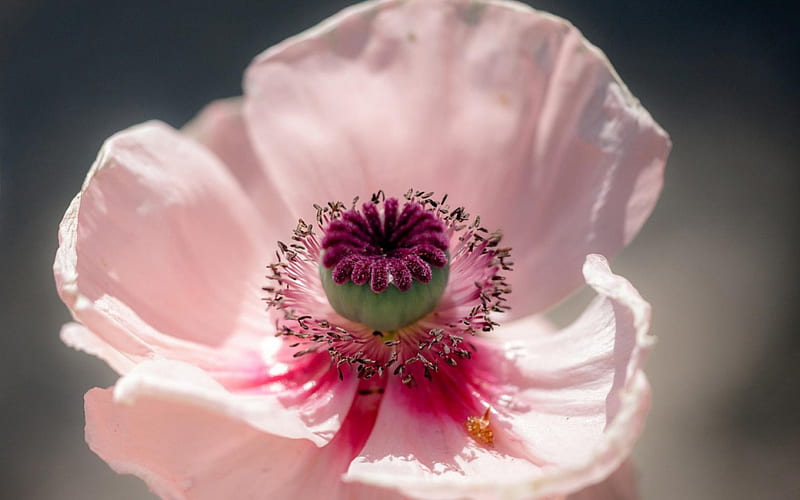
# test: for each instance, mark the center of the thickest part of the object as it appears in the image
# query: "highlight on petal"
(565, 408)
(158, 252)
(509, 111)
(187, 444)
(426, 454)
(81, 338)
(183, 451)
(503, 107)
(314, 415)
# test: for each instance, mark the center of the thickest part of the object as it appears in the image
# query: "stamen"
(449, 238)
(480, 428)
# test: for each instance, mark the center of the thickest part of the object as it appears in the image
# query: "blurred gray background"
(717, 259)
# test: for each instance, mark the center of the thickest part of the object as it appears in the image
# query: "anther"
(385, 265)
(479, 428)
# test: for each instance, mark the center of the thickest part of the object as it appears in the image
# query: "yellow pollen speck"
(503, 99)
(479, 428)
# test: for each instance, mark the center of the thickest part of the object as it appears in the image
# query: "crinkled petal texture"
(509, 110)
(185, 446)
(566, 408)
(160, 259)
(161, 252)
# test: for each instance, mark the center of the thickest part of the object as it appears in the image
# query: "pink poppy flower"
(393, 360)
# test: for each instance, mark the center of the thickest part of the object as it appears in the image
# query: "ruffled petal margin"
(313, 411)
(621, 485)
(182, 451)
(176, 429)
(566, 409)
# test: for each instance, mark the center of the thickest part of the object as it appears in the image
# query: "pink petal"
(566, 408)
(182, 452)
(534, 326)
(220, 127)
(313, 412)
(509, 110)
(161, 252)
(577, 398)
(80, 338)
(186, 450)
(426, 454)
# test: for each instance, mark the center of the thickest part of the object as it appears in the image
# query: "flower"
(474, 394)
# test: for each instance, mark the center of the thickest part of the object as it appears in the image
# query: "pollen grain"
(480, 428)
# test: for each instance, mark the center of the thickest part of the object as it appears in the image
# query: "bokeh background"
(718, 259)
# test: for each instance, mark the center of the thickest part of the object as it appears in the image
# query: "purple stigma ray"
(386, 247)
(422, 349)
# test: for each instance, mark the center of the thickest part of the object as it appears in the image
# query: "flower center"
(390, 289)
(384, 267)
